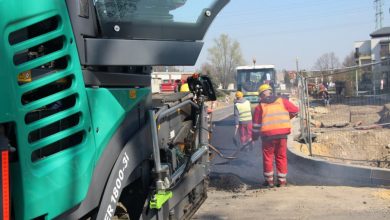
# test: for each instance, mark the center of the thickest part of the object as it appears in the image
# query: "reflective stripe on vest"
(244, 110)
(275, 116)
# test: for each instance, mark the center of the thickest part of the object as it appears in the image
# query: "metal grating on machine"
(45, 84)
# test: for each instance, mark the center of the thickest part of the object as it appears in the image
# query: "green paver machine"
(81, 136)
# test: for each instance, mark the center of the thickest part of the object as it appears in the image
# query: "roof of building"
(383, 32)
(255, 67)
(172, 73)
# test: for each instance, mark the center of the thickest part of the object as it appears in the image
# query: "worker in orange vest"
(271, 122)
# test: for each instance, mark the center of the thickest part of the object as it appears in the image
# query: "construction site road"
(236, 191)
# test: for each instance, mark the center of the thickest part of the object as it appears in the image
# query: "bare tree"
(327, 61)
(287, 78)
(207, 69)
(349, 60)
(225, 56)
(325, 64)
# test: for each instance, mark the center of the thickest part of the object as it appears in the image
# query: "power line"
(347, 69)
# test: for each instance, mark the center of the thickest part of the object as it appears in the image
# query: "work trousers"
(245, 133)
(277, 149)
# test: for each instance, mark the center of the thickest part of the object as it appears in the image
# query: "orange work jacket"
(275, 116)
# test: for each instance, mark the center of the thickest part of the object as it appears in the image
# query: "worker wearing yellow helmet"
(263, 88)
(271, 122)
(243, 120)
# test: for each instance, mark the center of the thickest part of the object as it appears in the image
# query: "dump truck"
(81, 136)
(249, 78)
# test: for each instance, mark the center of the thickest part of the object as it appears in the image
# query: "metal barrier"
(304, 115)
(347, 108)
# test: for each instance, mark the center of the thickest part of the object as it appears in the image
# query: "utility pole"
(378, 5)
(297, 74)
(357, 61)
(357, 81)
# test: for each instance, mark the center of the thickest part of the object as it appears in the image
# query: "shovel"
(222, 155)
(236, 139)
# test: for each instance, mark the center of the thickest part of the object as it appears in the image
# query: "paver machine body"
(81, 136)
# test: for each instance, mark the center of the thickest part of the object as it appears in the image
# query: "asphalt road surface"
(248, 165)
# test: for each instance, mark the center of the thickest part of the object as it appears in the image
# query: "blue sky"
(278, 31)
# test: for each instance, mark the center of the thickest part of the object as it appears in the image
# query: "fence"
(353, 124)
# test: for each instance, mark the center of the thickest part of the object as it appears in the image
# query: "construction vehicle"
(81, 136)
(249, 78)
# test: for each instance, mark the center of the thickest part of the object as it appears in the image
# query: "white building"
(167, 76)
(375, 50)
(363, 52)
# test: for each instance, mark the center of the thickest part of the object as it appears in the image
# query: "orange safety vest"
(275, 116)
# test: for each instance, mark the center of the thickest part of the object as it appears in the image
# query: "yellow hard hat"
(264, 87)
(184, 88)
(239, 94)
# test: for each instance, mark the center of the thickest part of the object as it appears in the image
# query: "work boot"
(248, 146)
(281, 184)
(245, 147)
(251, 145)
(268, 184)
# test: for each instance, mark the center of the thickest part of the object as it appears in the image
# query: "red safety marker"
(5, 184)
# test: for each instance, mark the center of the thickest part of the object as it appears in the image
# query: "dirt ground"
(229, 198)
(353, 132)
